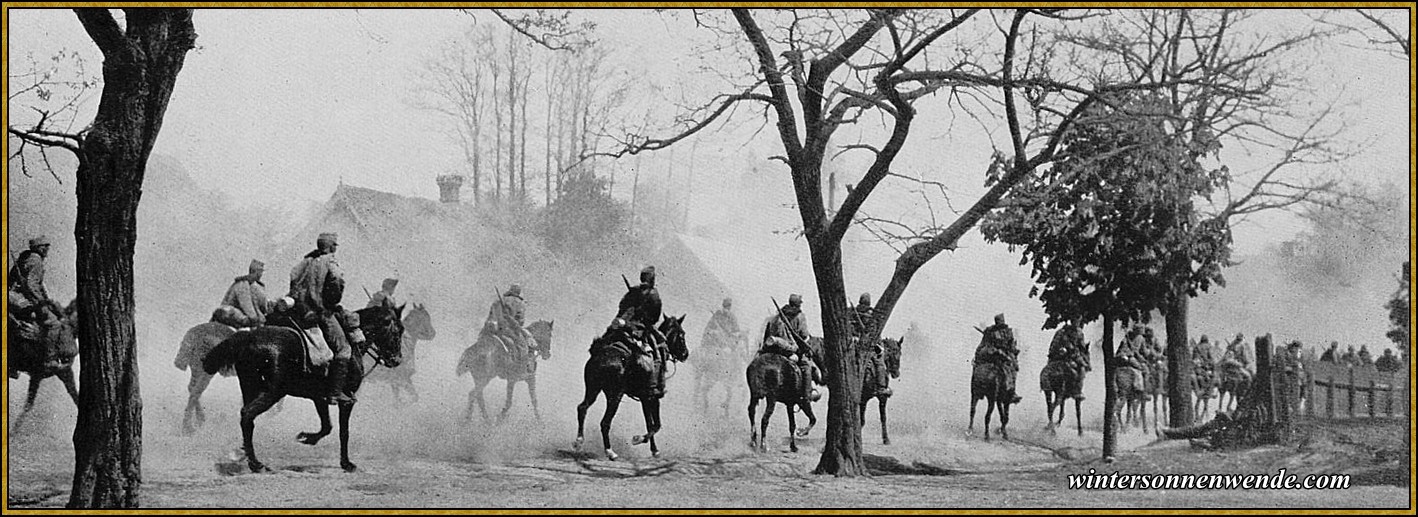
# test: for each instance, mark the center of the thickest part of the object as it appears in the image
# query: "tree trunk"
(1179, 364)
(1110, 391)
(140, 68)
(842, 452)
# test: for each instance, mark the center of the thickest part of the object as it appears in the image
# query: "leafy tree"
(141, 60)
(584, 217)
(1400, 309)
(1110, 229)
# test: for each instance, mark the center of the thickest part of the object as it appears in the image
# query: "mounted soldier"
(1069, 348)
(786, 334)
(30, 308)
(247, 299)
(507, 317)
(723, 329)
(317, 285)
(638, 313)
(997, 345)
(385, 294)
(861, 319)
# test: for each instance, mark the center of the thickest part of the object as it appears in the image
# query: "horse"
(876, 383)
(418, 326)
(25, 354)
(615, 368)
(196, 343)
(719, 356)
(773, 377)
(1156, 389)
(1060, 381)
(269, 364)
(1203, 388)
(1131, 385)
(488, 358)
(987, 381)
(1235, 381)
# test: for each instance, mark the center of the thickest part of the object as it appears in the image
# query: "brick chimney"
(449, 186)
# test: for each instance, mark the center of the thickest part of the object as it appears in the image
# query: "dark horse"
(616, 369)
(418, 326)
(26, 350)
(1060, 381)
(987, 381)
(877, 383)
(488, 359)
(269, 365)
(773, 377)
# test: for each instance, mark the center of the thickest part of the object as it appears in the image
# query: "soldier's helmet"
(795, 300)
(514, 290)
(728, 303)
(647, 275)
(865, 299)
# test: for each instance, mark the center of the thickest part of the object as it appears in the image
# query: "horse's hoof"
(654, 454)
(576, 445)
(610, 455)
(258, 468)
(308, 438)
(792, 448)
(638, 439)
(349, 467)
(801, 433)
(886, 441)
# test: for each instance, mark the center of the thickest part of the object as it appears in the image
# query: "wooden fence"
(1340, 391)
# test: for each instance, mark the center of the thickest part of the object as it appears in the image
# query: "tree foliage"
(584, 218)
(1400, 310)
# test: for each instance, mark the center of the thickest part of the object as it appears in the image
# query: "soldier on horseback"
(997, 345)
(786, 334)
(862, 315)
(1236, 352)
(508, 318)
(723, 327)
(247, 298)
(1069, 348)
(640, 311)
(29, 304)
(317, 286)
(385, 294)
(1203, 364)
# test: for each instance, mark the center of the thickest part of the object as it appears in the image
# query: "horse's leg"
(257, 402)
(323, 410)
(413, 390)
(792, 430)
(1004, 419)
(752, 423)
(612, 404)
(586, 401)
(1049, 407)
(66, 376)
(770, 403)
(1077, 414)
(511, 385)
(971, 429)
(885, 440)
(345, 463)
(35, 379)
(651, 408)
(532, 394)
(476, 395)
(989, 413)
(195, 386)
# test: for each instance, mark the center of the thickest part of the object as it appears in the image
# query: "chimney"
(448, 187)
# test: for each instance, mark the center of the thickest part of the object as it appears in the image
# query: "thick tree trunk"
(1179, 365)
(1110, 392)
(140, 68)
(842, 452)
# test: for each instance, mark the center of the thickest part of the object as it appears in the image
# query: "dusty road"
(425, 455)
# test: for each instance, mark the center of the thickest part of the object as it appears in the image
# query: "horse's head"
(892, 349)
(541, 333)
(419, 324)
(383, 328)
(673, 330)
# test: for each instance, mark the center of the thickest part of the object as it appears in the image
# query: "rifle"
(627, 282)
(796, 339)
(502, 321)
(366, 292)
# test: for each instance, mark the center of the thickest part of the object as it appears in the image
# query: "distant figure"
(1388, 363)
(1331, 355)
(386, 292)
(1349, 358)
(1238, 352)
(1364, 357)
(1069, 348)
(28, 300)
(723, 327)
(508, 316)
(247, 298)
(861, 316)
(997, 345)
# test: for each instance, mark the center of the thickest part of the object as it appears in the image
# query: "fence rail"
(1341, 391)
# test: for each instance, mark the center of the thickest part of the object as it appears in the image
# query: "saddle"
(317, 350)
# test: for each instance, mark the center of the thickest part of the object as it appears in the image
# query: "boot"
(339, 372)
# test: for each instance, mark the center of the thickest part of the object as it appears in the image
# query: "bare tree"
(454, 85)
(142, 57)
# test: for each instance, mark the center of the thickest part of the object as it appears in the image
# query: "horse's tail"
(224, 354)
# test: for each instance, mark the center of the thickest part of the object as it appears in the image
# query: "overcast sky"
(281, 105)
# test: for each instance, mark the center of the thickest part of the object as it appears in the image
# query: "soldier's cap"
(999, 319)
(795, 299)
(255, 266)
(865, 299)
(389, 283)
(327, 237)
(514, 290)
(1295, 344)
(39, 241)
(728, 302)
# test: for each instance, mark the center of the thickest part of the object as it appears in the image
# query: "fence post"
(1350, 389)
(1373, 390)
(1329, 397)
(1309, 392)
